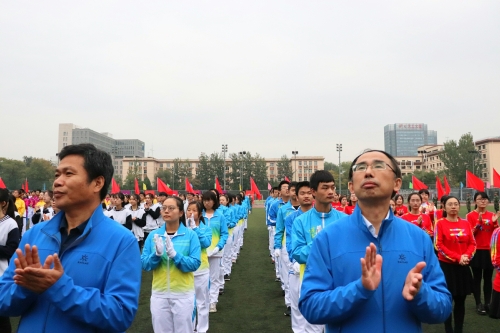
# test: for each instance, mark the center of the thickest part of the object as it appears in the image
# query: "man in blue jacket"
(397, 296)
(274, 208)
(80, 271)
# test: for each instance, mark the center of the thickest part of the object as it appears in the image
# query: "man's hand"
(371, 268)
(413, 281)
(39, 279)
(30, 257)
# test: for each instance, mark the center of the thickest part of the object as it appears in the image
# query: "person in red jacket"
(352, 204)
(427, 206)
(495, 260)
(400, 208)
(336, 201)
(456, 246)
(483, 223)
(343, 204)
(415, 217)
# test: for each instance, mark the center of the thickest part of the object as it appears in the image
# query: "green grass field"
(253, 302)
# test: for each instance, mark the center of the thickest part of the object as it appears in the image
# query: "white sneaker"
(213, 307)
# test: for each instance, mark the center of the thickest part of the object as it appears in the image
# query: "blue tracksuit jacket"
(332, 292)
(99, 290)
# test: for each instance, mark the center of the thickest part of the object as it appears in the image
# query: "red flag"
(114, 186)
(447, 188)
(473, 181)
(2, 184)
(269, 187)
(22, 186)
(189, 188)
(286, 178)
(162, 187)
(439, 188)
(417, 184)
(496, 178)
(255, 189)
(217, 185)
(26, 187)
(136, 186)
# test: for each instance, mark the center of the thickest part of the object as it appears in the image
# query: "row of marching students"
(459, 243)
(462, 245)
(191, 256)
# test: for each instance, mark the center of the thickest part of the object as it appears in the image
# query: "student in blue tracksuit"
(270, 227)
(217, 222)
(408, 289)
(308, 225)
(280, 239)
(269, 198)
(305, 200)
(283, 189)
(92, 274)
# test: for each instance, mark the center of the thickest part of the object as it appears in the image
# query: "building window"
(315, 163)
(145, 163)
(300, 179)
(272, 172)
(484, 155)
(300, 162)
(145, 171)
(271, 164)
(64, 144)
(161, 165)
(310, 162)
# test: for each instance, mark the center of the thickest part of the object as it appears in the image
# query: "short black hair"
(300, 185)
(398, 196)
(320, 176)
(275, 188)
(209, 195)
(293, 184)
(283, 182)
(394, 163)
(162, 194)
(424, 190)
(97, 163)
(482, 194)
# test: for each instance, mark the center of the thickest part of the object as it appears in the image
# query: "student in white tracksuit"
(173, 253)
(217, 222)
(138, 219)
(197, 223)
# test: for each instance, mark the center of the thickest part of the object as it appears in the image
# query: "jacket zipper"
(382, 282)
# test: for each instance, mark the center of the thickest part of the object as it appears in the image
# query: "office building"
(403, 139)
(118, 149)
(488, 155)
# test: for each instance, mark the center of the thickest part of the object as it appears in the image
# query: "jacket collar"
(180, 232)
(385, 223)
(52, 227)
(320, 214)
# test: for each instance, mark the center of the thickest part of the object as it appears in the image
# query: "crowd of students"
(189, 242)
(468, 250)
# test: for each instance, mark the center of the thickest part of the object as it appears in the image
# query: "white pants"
(299, 323)
(215, 282)
(285, 267)
(202, 301)
(228, 251)
(172, 315)
(236, 248)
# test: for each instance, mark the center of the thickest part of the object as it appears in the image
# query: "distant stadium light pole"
(339, 149)
(242, 155)
(224, 151)
(295, 153)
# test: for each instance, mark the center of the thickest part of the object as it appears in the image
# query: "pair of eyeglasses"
(168, 208)
(376, 166)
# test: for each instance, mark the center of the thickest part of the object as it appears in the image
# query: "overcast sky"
(264, 76)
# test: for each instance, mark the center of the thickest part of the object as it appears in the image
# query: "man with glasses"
(397, 297)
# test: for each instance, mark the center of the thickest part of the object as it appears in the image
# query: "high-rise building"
(403, 139)
(118, 149)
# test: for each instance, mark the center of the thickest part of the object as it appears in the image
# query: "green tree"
(40, 172)
(330, 166)
(183, 171)
(460, 156)
(259, 172)
(27, 160)
(13, 172)
(165, 175)
(242, 168)
(134, 172)
(147, 182)
(344, 179)
(217, 168)
(284, 167)
(204, 174)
